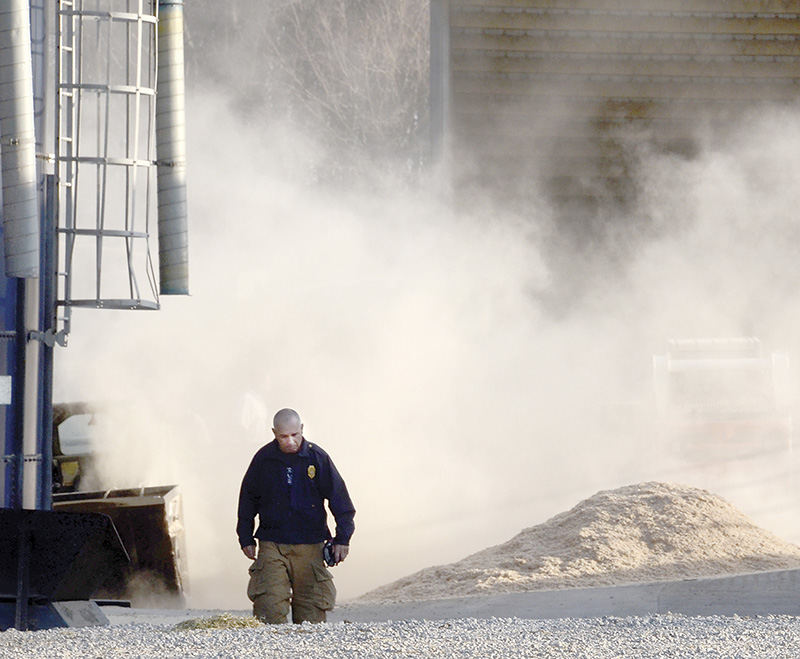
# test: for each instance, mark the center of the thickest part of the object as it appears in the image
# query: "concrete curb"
(761, 593)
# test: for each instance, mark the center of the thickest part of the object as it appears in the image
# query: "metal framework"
(105, 148)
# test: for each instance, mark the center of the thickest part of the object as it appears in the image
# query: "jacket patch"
(312, 471)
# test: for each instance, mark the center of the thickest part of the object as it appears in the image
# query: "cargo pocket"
(256, 586)
(324, 590)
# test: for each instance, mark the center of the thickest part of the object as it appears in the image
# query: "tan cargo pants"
(290, 575)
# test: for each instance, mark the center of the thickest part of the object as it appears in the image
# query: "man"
(286, 485)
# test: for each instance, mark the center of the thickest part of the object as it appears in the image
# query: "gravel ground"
(646, 636)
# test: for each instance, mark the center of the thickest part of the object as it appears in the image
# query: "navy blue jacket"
(287, 491)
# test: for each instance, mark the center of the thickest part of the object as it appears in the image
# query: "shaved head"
(285, 417)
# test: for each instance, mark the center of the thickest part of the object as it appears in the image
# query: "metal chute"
(17, 143)
(173, 247)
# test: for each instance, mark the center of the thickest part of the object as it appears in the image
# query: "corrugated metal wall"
(558, 90)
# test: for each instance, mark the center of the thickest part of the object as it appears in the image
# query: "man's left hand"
(340, 553)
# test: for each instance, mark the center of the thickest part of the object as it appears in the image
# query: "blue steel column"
(14, 429)
(10, 476)
(47, 314)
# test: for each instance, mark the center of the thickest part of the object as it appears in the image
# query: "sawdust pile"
(639, 533)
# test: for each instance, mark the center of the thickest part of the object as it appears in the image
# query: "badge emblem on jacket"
(312, 471)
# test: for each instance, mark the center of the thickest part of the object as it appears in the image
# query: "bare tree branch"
(352, 72)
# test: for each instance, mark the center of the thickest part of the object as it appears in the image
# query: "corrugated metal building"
(553, 94)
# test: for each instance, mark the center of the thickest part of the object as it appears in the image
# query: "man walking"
(286, 485)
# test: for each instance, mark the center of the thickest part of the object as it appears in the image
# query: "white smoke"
(409, 337)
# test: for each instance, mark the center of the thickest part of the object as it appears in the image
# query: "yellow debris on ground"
(221, 621)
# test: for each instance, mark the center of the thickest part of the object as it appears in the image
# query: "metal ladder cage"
(105, 153)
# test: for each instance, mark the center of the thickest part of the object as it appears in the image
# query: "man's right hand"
(250, 552)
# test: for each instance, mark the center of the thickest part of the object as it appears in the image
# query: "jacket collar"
(273, 450)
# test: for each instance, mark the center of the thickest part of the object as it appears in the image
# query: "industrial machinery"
(92, 154)
(149, 520)
(73, 458)
(719, 397)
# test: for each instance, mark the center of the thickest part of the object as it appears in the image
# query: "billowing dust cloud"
(411, 339)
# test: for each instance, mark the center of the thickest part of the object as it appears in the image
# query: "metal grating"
(105, 153)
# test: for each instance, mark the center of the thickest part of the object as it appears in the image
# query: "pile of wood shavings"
(639, 533)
